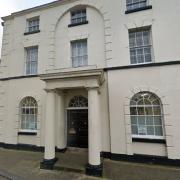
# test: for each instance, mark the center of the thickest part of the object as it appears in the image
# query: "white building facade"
(99, 74)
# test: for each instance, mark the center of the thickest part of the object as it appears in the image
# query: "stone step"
(69, 169)
(72, 160)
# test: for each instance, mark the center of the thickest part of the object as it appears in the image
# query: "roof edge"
(43, 6)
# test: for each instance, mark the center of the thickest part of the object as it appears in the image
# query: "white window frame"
(142, 47)
(161, 115)
(35, 107)
(79, 60)
(33, 24)
(136, 5)
(78, 16)
(30, 61)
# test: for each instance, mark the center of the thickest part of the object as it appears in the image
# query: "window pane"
(149, 120)
(150, 130)
(133, 111)
(142, 130)
(157, 110)
(134, 120)
(141, 120)
(158, 131)
(157, 120)
(134, 129)
(141, 111)
(148, 110)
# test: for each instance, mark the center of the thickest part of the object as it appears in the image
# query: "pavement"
(24, 165)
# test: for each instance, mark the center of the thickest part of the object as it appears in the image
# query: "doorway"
(77, 128)
(77, 122)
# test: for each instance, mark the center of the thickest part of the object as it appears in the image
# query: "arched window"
(28, 109)
(146, 116)
(78, 102)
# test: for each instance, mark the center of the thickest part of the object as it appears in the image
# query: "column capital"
(61, 92)
(92, 88)
(50, 90)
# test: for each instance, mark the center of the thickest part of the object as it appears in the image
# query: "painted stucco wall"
(108, 45)
(164, 29)
(162, 81)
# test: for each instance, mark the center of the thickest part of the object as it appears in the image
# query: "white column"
(61, 137)
(50, 126)
(94, 127)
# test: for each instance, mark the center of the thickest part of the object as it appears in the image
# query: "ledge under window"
(161, 141)
(78, 24)
(33, 32)
(138, 9)
(33, 133)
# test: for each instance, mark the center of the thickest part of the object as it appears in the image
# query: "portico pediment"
(74, 79)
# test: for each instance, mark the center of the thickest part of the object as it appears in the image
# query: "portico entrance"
(83, 117)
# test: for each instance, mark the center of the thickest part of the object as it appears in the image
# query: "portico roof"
(74, 79)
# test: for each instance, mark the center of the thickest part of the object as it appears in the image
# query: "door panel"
(77, 128)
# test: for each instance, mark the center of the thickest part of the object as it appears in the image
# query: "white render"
(109, 91)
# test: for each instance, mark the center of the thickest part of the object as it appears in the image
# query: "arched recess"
(53, 36)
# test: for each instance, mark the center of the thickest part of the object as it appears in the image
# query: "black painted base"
(48, 163)
(92, 170)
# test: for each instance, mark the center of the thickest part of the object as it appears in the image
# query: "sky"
(9, 6)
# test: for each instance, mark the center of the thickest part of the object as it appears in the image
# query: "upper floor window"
(140, 46)
(31, 60)
(79, 53)
(135, 4)
(28, 109)
(33, 25)
(78, 16)
(146, 116)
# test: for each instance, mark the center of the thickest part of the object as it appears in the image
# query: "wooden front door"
(77, 128)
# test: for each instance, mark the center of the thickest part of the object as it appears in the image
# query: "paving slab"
(24, 165)
(120, 170)
(68, 161)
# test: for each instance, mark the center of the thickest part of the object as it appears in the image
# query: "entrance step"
(74, 160)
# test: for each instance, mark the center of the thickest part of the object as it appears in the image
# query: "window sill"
(138, 9)
(159, 141)
(34, 32)
(78, 24)
(27, 133)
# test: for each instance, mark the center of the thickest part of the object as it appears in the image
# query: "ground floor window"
(146, 116)
(28, 109)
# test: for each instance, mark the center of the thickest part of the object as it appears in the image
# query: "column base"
(93, 170)
(48, 164)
